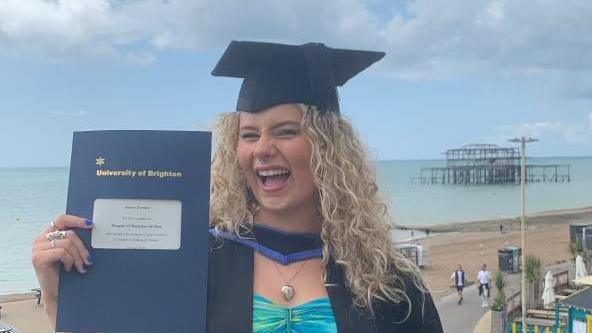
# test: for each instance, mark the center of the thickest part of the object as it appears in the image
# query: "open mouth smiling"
(273, 178)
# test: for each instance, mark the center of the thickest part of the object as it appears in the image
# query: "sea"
(31, 197)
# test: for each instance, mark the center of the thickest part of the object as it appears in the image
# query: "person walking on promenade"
(459, 279)
(484, 276)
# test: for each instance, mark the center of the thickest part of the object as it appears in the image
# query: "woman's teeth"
(270, 173)
(274, 177)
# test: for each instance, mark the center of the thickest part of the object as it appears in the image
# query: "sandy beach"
(477, 242)
(469, 243)
(472, 249)
(25, 314)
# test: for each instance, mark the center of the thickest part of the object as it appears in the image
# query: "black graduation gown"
(230, 298)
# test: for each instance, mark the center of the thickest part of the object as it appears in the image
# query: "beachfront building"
(489, 164)
(579, 307)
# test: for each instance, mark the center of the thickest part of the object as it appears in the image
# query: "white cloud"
(429, 39)
(511, 37)
(65, 29)
(107, 28)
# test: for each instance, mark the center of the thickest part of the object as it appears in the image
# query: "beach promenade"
(462, 318)
(547, 238)
(549, 242)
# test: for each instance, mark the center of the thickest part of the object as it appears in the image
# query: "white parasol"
(549, 291)
(580, 267)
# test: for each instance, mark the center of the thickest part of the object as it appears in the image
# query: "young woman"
(301, 241)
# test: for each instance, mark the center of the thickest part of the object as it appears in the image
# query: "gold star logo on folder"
(100, 161)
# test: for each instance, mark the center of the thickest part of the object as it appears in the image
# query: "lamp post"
(523, 141)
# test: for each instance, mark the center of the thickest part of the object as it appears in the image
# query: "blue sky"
(456, 72)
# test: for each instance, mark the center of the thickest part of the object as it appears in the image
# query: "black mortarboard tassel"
(280, 73)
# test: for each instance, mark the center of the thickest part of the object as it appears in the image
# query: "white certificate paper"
(136, 224)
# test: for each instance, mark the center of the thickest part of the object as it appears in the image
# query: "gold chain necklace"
(288, 291)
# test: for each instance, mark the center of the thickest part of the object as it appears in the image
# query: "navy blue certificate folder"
(148, 194)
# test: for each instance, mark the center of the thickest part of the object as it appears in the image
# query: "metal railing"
(513, 304)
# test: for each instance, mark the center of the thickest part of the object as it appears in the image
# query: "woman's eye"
(247, 136)
(287, 132)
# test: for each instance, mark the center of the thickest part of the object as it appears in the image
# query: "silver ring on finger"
(52, 224)
(53, 243)
(58, 234)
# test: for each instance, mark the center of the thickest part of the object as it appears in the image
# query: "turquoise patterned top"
(315, 316)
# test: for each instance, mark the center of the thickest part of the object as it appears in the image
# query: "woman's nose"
(264, 148)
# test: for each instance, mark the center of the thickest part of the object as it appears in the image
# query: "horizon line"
(378, 160)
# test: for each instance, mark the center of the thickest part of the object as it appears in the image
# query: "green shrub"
(498, 303)
(500, 283)
(500, 299)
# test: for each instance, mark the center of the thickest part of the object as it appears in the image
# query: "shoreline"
(567, 215)
(16, 297)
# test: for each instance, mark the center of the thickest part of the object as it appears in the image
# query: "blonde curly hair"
(355, 224)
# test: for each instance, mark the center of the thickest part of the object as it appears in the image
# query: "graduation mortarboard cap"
(279, 73)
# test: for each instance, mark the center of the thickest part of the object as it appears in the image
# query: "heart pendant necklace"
(288, 291)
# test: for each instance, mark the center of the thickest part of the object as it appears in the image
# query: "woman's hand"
(52, 249)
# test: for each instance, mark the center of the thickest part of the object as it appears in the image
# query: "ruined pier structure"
(489, 164)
